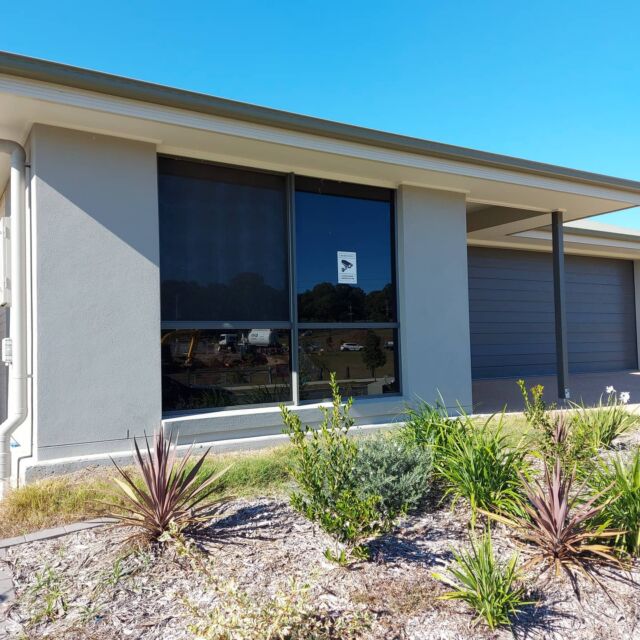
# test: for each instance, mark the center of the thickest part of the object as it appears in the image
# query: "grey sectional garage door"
(512, 317)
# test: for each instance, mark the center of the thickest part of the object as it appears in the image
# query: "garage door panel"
(506, 327)
(477, 285)
(512, 319)
(510, 306)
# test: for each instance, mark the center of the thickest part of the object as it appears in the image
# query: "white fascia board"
(55, 94)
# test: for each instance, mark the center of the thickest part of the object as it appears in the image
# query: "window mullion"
(294, 356)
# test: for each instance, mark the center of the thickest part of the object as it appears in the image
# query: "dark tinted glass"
(223, 243)
(364, 361)
(204, 369)
(329, 221)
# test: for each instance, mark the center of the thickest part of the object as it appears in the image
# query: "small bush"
(323, 466)
(478, 464)
(618, 483)
(170, 495)
(536, 410)
(491, 587)
(596, 428)
(396, 472)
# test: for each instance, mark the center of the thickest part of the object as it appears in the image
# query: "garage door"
(512, 316)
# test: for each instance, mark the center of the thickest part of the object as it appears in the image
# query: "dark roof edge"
(78, 78)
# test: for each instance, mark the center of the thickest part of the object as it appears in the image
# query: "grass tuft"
(491, 587)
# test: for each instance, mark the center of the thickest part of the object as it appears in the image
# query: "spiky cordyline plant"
(560, 525)
(170, 494)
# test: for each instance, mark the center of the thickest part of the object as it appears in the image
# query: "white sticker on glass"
(347, 267)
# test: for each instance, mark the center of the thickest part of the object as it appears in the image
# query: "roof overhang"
(195, 125)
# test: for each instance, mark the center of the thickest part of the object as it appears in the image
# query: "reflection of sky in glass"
(326, 224)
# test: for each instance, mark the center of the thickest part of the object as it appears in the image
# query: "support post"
(559, 299)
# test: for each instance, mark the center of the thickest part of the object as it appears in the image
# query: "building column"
(433, 290)
(559, 299)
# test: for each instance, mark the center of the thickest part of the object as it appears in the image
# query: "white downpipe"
(17, 400)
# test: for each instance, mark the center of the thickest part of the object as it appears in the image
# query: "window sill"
(258, 421)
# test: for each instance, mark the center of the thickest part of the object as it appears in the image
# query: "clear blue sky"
(553, 81)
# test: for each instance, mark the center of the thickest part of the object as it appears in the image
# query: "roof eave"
(87, 80)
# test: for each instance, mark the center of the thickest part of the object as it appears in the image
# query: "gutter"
(95, 81)
(17, 360)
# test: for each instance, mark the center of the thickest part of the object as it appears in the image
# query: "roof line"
(87, 80)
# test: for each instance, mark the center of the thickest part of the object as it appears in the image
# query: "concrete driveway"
(490, 396)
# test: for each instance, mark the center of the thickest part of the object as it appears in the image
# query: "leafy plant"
(170, 493)
(560, 525)
(323, 466)
(429, 425)
(478, 464)
(618, 482)
(536, 410)
(491, 587)
(397, 472)
(597, 428)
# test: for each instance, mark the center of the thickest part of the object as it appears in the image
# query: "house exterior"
(193, 262)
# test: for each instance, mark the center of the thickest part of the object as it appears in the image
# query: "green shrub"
(619, 484)
(491, 587)
(536, 410)
(596, 428)
(397, 472)
(478, 464)
(428, 425)
(323, 463)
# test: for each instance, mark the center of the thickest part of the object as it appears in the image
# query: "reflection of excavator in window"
(193, 342)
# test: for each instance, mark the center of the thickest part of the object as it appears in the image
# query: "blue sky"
(553, 81)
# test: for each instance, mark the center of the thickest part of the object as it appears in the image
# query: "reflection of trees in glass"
(373, 356)
(327, 302)
(247, 296)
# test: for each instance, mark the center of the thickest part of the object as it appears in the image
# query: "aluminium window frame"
(293, 325)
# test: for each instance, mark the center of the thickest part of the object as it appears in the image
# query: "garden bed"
(92, 585)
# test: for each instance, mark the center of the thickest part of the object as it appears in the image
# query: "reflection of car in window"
(351, 346)
(389, 345)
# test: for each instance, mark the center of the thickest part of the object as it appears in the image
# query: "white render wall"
(434, 296)
(97, 291)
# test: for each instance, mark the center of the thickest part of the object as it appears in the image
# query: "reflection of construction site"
(205, 368)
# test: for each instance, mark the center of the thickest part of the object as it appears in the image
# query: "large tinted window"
(333, 223)
(223, 243)
(364, 361)
(205, 369)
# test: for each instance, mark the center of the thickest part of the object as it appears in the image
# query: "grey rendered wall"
(97, 297)
(4, 332)
(636, 280)
(434, 305)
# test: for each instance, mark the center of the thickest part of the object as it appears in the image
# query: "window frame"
(293, 325)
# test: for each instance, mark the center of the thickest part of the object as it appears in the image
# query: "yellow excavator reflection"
(193, 342)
